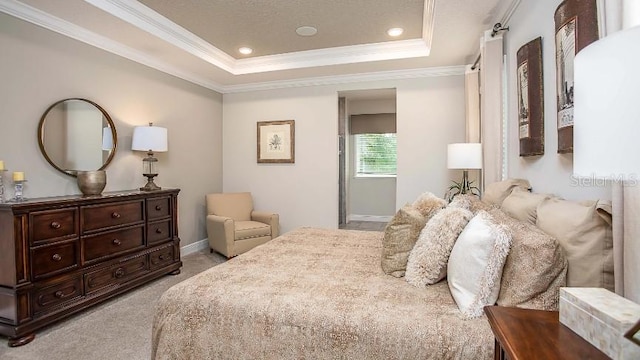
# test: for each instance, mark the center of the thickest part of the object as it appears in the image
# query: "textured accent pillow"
(496, 193)
(428, 204)
(584, 231)
(522, 204)
(535, 269)
(427, 262)
(400, 234)
(475, 264)
(470, 202)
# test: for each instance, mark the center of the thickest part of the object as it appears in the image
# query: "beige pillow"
(475, 264)
(469, 202)
(496, 193)
(400, 235)
(535, 269)
(584, 231)
(427, 262)
(428, 204)
(522, 204)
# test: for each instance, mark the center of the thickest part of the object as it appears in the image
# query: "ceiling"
(198, 40)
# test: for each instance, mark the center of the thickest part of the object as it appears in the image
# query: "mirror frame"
(106, 116)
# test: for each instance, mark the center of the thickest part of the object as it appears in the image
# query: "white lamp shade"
(607, 107)
(464, 156)
(151, 137)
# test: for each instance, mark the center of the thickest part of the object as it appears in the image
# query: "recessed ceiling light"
(395, 32)
(245, 50)
(306, 31)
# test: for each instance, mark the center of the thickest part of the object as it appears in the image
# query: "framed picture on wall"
(530, 94)
(576, 26)
(276, 141)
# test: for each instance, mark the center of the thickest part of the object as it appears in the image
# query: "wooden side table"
(536, 334)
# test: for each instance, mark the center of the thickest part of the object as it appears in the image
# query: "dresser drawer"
(52, 259)
(111, 215)
(116, 274)
(159, 232)
(48, 296)
(158, 208)
(112, 243)
(53, 225)
(161, 257)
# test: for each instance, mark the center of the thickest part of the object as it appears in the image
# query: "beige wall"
(430, 113)
(40, 67)
(551, 172)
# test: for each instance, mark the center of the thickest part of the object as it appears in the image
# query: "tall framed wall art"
(576, 26)
(530, 94)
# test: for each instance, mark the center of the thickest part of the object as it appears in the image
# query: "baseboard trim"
(374, 218)
(194, 247)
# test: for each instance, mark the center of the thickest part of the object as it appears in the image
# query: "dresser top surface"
(106, 196)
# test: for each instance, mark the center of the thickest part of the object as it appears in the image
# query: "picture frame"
(530, 97)
(576, 26)
(276, 141)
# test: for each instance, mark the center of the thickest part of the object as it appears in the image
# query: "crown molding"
(145, 18)
(37, 17)
(348, 79)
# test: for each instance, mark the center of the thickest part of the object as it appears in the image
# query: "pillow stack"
(401, 233)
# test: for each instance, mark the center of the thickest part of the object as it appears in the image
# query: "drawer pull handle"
(55, 225)
(161, 257)
(116, 242)
(56, 257)
(158, 231)
(59, 294)
(158, 207)
(115, 215)
(119, 273)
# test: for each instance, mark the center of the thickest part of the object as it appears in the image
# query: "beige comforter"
(313, 294)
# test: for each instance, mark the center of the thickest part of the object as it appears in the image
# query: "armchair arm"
(221, 233)
(268, 218)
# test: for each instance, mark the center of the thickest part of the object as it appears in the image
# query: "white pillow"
(475, 265)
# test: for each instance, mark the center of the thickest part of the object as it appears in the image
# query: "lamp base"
(150, 186)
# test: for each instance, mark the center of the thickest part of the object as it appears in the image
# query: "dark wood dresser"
(61, 255)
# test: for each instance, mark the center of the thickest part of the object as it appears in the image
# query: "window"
(375, 154)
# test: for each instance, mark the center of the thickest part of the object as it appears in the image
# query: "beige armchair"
(234, 228)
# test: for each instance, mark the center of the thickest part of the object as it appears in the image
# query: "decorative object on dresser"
(463, 156)
(602, 318)
(523, 334)
(576, 26)
(149, 138)
(18, 186)
(530, 98)
(92, 182)
(77, 135)
(2, 171)
(61, 255)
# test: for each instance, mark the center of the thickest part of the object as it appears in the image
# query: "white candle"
(18, 176)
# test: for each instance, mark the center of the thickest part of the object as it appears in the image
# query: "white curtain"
(472, 108)
(491, 81)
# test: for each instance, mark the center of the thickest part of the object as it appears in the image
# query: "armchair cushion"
(251, 229)
(237, 206)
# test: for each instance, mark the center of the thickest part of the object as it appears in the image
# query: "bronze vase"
(92, 182)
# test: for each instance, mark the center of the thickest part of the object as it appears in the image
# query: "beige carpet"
(117, 329)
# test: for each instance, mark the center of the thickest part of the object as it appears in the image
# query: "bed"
(315, 294)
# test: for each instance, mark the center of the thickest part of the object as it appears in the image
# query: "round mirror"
(77, 135)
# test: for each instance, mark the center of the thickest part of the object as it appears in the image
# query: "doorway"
(367, 158)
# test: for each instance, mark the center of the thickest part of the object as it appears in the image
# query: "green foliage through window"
(376, 154)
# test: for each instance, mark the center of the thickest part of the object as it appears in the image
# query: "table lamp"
(464, 156)
(150, 139)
